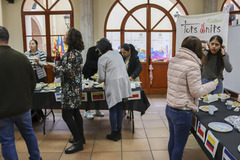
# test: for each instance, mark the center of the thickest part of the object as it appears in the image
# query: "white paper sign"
(203, 26)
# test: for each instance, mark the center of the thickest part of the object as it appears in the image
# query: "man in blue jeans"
(17, 87)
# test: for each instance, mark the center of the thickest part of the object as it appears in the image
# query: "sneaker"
(88, 115)
(98, 113)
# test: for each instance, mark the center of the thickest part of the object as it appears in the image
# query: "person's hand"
(223, 49)
(216, 81)
(50, 64)
(56, 52)
(36, 60)
(207, 46)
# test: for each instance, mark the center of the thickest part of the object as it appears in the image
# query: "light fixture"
(176, 16)
(67, 20)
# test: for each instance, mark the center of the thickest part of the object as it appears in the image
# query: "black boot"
(71, 140)
(114, 136)
(77, 146)
(120, 133)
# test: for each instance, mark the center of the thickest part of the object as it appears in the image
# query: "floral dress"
(71, 78)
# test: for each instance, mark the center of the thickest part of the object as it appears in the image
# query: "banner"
(203, 26)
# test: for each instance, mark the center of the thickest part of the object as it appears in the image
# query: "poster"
(203, 26)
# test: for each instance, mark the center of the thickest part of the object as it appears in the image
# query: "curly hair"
(74, 40)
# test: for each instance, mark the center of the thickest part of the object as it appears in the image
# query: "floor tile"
(135, 145)
(161, 155)
(106, 145)
(106, 156)
(143, 155)
(76, 156)
(157, 132)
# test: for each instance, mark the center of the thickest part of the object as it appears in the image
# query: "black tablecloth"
(230, 140)
(43, 100)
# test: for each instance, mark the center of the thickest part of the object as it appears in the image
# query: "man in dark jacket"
(89, 69)
(17, 87)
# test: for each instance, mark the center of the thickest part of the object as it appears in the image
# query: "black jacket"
(90, 67)
(134, 66)
(17, 82)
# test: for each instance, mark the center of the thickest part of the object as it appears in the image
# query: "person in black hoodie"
(132, 62)
(89, 69)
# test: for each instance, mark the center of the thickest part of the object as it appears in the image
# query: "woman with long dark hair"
(69, 69)
(217, 60)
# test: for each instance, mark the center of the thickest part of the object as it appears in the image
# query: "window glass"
(31, 5)
(35, 25)
(113, 22)
(62, 5)
(155, 19)
(140, 15)
(165, 24)
(161, 46)
(114, 38)
(132, 24)
(57, 44)
(138, 40)
(56, 21)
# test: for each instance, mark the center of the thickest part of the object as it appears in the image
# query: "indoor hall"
(151, 26)
(149, 142)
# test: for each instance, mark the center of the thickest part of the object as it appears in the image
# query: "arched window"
(149, 25)
(46, 21)
(233, 7)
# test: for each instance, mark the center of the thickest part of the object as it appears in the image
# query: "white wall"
(1, 23)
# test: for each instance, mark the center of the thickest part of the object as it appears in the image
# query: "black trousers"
(74, 121)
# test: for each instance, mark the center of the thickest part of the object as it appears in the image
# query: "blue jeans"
(179, 122)
(7, 139)
(219, 88)
(116, 116)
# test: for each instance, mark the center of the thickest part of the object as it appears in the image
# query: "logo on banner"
(135, 95)
(226, 155)
(211, 143)
(201, 131)
(194, 122)
(97, 96)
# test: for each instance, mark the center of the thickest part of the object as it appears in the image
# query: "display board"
(232, 79)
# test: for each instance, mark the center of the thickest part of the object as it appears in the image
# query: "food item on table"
(95, 76)
(236, 104)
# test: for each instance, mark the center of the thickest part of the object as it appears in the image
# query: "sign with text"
(203, 26)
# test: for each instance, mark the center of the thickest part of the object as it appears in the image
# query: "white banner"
(203, 26)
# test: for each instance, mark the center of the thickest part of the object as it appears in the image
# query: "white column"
(210, 6)
(86, 24)
(1, 21)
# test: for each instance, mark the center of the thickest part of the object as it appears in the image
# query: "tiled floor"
(149, 142)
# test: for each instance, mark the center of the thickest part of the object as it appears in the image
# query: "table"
(92, 99)
(230, 140)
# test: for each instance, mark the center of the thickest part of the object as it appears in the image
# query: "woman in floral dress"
(69, 70)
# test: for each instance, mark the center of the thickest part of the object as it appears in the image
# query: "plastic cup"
(229, 104)
(211, 109)
(223, 97)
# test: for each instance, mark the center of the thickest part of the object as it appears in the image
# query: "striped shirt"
(38, 67)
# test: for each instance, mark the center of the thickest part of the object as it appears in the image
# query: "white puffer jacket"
(184, 81)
